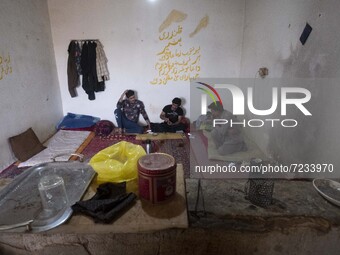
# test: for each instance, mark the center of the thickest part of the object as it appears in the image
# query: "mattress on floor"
(60, 146)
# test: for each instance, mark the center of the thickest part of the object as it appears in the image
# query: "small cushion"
(25, 145)
(104, 127)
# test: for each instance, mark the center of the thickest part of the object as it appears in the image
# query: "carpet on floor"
(178, 148)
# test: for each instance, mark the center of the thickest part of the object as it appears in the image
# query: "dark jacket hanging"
(88, 65)
(72, 73)
(88, 57)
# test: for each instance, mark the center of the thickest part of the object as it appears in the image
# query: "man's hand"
(122, 96)
(149, 125)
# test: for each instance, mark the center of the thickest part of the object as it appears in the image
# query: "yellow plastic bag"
(117, 163)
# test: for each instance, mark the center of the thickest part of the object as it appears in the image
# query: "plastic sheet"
(117, 163)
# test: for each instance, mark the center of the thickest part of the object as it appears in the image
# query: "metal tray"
(329, 189)
(20, 203)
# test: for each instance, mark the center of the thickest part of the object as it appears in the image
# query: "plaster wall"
(129, 32)
(271, 38)
(30, 94)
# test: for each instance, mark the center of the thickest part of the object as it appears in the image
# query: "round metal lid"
(156, 161)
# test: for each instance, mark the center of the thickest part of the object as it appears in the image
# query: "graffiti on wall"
(5, 65)
(176, 61)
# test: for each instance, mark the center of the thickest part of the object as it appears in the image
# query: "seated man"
(172, 115)
(226, 138)
(128, 111)
(204, 122)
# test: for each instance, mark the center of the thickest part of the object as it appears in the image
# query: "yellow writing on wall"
(202, 24)
(175, 62)
(5, 65)
(174, 16)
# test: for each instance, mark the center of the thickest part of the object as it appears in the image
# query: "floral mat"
(178, 148)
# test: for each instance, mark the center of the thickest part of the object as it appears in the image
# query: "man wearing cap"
(127, 113)
(172, 115)
(228, 139)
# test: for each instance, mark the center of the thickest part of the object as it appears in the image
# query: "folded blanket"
(72, 121)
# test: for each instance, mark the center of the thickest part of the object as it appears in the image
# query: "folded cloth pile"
(108, 202)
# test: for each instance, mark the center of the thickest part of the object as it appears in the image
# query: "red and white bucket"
(157, 177)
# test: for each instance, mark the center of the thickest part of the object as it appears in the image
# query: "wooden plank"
(83, 145)
(160, 136)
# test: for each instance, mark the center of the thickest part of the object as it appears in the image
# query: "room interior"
(225, 39)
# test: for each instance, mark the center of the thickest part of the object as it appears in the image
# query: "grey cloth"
(225, 141)
(229, 144)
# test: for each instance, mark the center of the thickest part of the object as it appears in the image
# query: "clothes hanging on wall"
(87, 58)
(88, 66)
(72, 74)
(101, 62)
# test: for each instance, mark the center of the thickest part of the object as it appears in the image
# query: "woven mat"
(99, 143)
(178, 148)
(12, 171)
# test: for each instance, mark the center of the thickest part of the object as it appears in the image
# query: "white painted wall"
(271, 38)
(30, 94)
(129, 32)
